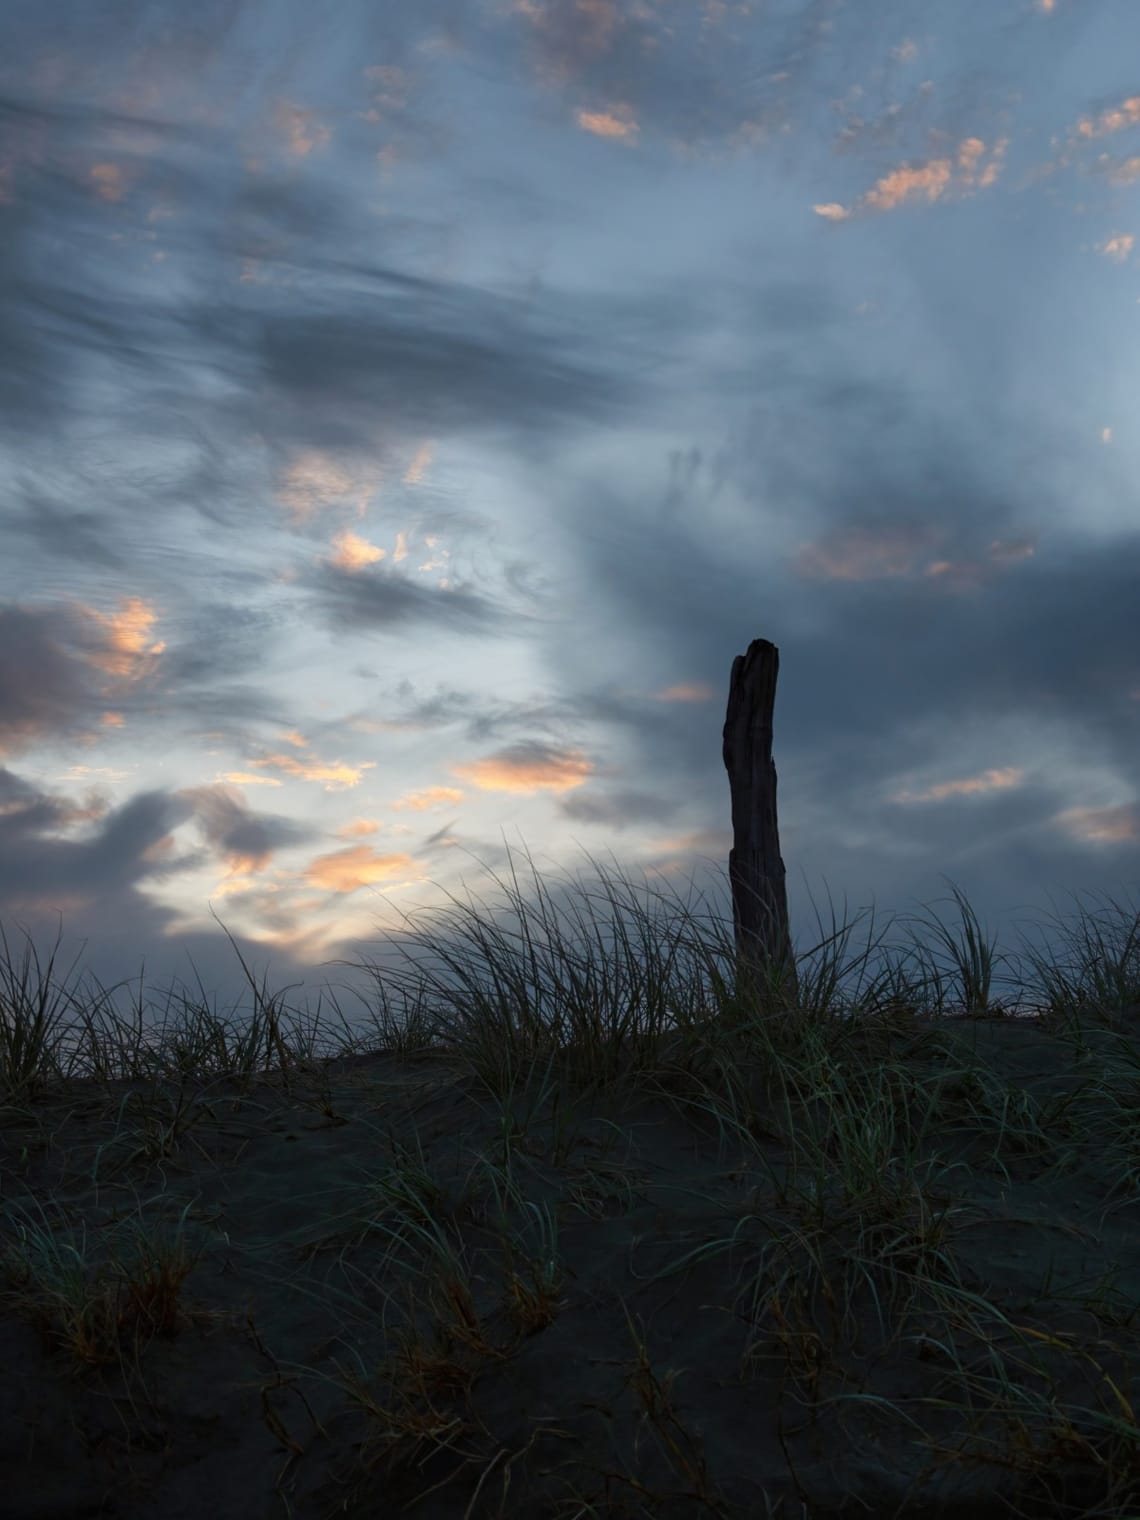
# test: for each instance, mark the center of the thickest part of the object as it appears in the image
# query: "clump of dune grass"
(911, 1288)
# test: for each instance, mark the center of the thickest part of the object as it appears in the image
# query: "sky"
(408, 412)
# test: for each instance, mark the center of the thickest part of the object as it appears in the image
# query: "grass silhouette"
(581, 1235)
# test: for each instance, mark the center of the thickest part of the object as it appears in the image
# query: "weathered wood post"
(755, 869)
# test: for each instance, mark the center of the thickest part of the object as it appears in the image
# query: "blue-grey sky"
(408, 412)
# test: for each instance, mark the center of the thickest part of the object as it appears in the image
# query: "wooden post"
(755, 869)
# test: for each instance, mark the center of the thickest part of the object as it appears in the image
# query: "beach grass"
(592, 1230)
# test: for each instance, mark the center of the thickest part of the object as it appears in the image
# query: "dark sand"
(515, 1398)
